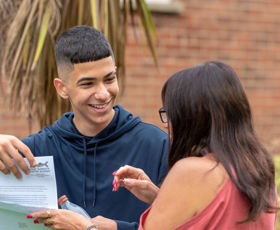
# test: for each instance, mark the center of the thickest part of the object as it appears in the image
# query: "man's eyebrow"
(85, 79)
(93, 78)
(109, 74)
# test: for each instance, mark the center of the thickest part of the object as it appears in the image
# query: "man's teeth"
(98, 106)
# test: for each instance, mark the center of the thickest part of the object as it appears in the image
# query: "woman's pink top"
(227, 208)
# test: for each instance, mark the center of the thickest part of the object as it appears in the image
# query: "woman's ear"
(60, 88)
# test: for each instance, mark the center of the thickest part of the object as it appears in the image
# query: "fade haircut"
(80, 44)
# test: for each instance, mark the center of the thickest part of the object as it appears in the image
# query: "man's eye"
(86, 84)
(111, 79)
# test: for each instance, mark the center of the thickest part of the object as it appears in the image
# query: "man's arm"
(10, 158)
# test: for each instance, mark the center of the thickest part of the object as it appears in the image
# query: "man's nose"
(101, 92)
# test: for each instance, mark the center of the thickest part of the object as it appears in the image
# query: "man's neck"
(90, 129)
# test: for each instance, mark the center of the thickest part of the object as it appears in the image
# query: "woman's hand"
(61, 219)
(137, 182)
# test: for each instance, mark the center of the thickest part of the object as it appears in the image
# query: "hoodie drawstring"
(85, 170)
(94, 175)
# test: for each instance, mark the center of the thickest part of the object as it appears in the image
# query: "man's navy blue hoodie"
(84, 165)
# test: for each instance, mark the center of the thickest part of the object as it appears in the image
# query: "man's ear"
(60, 88)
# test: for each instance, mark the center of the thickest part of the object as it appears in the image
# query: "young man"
(94, 140)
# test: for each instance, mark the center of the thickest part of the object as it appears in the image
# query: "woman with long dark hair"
(221, 177)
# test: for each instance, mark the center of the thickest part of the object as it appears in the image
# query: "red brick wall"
(244, 34)
(12, 122)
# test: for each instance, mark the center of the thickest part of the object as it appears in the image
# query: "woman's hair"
(208, 110)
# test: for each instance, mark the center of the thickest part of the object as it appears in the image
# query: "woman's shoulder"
(194, 167)
(191, 184)
(199, 176)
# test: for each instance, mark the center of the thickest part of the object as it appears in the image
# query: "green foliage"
(277, 177)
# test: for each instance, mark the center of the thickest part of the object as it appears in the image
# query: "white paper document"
(33, 192)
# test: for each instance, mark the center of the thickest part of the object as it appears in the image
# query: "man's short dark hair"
(81, 44)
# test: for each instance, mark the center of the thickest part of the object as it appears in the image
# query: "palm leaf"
(93, 9)
(42, 35)
(148, 26)
(31, 29)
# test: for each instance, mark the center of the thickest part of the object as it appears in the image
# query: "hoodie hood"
(121, 123)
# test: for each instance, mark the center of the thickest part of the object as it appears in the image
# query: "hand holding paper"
(61, 219)
(33, 192)
(10, 156)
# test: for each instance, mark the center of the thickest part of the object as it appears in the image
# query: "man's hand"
(103, 223)
(9, 156)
